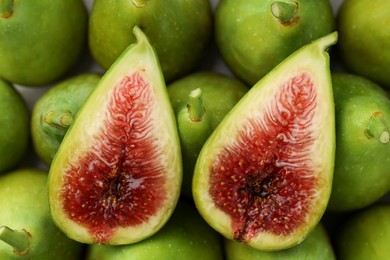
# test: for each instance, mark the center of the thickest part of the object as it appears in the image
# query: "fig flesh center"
(119, 181)
(265, 181)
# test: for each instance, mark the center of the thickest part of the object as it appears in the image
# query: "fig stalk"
(139, 3)
(6, 8)
(60, 120)
(195, 105)
(18, 239)
(377, 128)
(285, 11)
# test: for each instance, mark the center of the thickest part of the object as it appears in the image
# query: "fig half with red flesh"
(116, 176)
(264, 176)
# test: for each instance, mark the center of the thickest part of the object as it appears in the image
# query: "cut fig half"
(116, 176)
(264, 176)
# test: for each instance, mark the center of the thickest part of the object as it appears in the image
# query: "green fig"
(361, 174)
(179, 30)
(55, 110)
(264, 176)
(14, 126)
(26, 228)
(185, 236)
(116, 176)
(363, 45)
(41, 40)
(200, 101)
(317, 246)
(254, 36)
(365, 234)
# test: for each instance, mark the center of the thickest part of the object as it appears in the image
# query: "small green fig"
(14, 126)
(253, 36)
(179, 30)
(26, 228)
(200, 101)
(41, 40)
(185, 236)
(365, 234)
(361, 174)
(55, 110)
(364, 47)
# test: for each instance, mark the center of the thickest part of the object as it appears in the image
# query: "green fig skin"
(316, 246)
(364, 42)
(55, 110)
(41, 40)
(365, 234)
(254, 36)
(362, 139)
(185, 236)
(179, 30)
(14, 126)
(219, 93)
(25, 207)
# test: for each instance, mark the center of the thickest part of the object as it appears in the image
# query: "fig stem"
(61, 120)
(6, 8)
(18, 239)
(285, 11)
(195, 105)
(377, 128)
(139, 3)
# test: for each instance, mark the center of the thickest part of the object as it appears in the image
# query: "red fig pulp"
(269, 166)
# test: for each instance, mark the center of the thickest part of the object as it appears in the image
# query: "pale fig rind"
(316, 246)
(126, 115)
(310, 156)
(26, 228)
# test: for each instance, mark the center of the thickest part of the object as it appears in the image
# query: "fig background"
(212, 61)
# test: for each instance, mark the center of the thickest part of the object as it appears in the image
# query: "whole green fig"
(364, 47)
(14, 126)
(201, 100)
(41, 40)
(179, 30)
(361, 174)
(55, 110)
(365, 234)
(253, 36)
(26, 228)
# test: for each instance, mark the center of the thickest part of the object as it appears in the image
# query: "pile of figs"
(136, 129)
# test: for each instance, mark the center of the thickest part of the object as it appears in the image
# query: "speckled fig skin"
(41, 40)
(364, 39)
(179, 30)
(185, 236)
(316, 246)
(218, 94)
(14, 126)
(361, 174)
(253, 36)
(365, 234)
(55, 110)
(25, 207)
